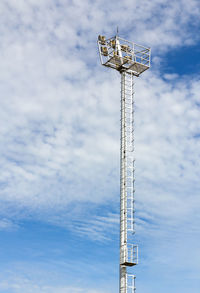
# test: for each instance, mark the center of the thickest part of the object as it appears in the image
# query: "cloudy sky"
(59, 150)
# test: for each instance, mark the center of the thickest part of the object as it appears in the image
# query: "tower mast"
(130, 60)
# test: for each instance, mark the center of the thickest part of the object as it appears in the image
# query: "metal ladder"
(128, 251)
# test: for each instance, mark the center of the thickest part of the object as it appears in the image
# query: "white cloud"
(60, 117)
(7, 224)
(59, 127)
(27, 286)
(60, 112)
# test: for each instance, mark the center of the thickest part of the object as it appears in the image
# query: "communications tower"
(130, 60)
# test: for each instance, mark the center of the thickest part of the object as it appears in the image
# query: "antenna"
(130, 60)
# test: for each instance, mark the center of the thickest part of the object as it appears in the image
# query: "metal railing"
(121, 54)
(130, 283)
(129, 254)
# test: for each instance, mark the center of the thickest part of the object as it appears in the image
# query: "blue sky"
(59, 150)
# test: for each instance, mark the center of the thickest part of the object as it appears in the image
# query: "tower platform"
(123, 55)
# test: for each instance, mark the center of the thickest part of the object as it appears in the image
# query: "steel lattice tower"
(130, 60)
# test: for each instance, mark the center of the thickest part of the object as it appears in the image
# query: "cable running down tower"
(130, 60)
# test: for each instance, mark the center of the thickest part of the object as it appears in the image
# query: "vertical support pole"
(123, 210)
(126, 181)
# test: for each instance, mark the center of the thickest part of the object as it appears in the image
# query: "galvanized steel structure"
(130, 60)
